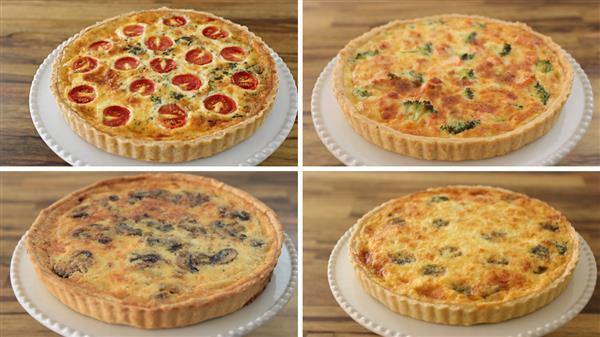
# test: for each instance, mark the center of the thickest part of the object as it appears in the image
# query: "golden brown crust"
(443, 303)
(443, 148)
(197, 145)
(189, 308)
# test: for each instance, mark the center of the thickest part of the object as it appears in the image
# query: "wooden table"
(329, 25)
(32, 29)
(334, 201)
(23, 195)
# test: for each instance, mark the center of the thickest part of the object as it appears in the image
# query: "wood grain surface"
(23, 195)
(329, 25)
(30, 30)
(333, 202)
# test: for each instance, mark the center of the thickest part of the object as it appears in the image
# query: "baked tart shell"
(178, 314)
(171, 151)
(454, 314)
(450, 149)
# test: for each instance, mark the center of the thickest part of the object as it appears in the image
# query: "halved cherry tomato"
(245, 80)
(233, 54)
(187, 82)
(171, 116)
(158, 44)
(127, 63)
(220, 103)
(84, 64)
(115, 115)
(133, 30)
(147, 86)
(101, 45)
(162, 65)
(213, 32)
(82, 94)
(198, 56)
(175, 21)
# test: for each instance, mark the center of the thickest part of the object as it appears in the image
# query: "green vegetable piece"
(186, 39)
(561, 247)
(417, 108)
(403, 258)
(471, 37)
(467, 56)
(542, 94)
(549, 226)
(426, 49)
(433, 270)
(465, 74)
(439, 198)
(450, 252)
(462, 289)
(540, 251)
(155, 99)
(135, 50)
(540, 269)
(460, 126)
(362, 93)
(481, 25)
(469, 93)
(365, 54)
(505, 49)
(439, 223)
(497, 260)
(415, 77)
(518, 106)
(544, 66)
(177, 95)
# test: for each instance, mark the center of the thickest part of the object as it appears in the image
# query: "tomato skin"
(119, 113)
(146, 84)
(224, 104)
(171, 116)
(158, 44)
(158, 66)
(245, 80)
(133, 30)
(187, 82)
(175, 21)
(84, 64)
(214, 32)
(233, 54)
(127, 63)
(88, 91)
(101, 45)
(198, 56)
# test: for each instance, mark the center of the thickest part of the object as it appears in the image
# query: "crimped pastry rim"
(70, 294)
(440, 148)
(170, 151)
(469, 313)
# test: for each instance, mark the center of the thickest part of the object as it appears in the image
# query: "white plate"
(57, 134)
(376, 317)
(49, 311)
(351, 149)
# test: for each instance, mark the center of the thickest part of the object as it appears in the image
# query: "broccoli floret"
(417, 108)
(467, 56)
(460, 126)
(360, 92)
(471, 37)
(505, 49)
(365, 54)
(544, 66)
(542, 94)
(415, 77)
(469, 93)
(465, 74)
(426, 49)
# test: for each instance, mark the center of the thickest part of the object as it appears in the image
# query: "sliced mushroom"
(79, 261)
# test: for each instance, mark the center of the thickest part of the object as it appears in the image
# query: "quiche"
(464, 255)
(165, 85)
(452, 87)
(155, 251)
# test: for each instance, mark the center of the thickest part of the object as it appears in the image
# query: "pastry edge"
(450, 149)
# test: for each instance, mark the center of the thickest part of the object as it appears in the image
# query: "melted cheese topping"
(464, 245)
(112, 86)
(454, 77)
(158, 241)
